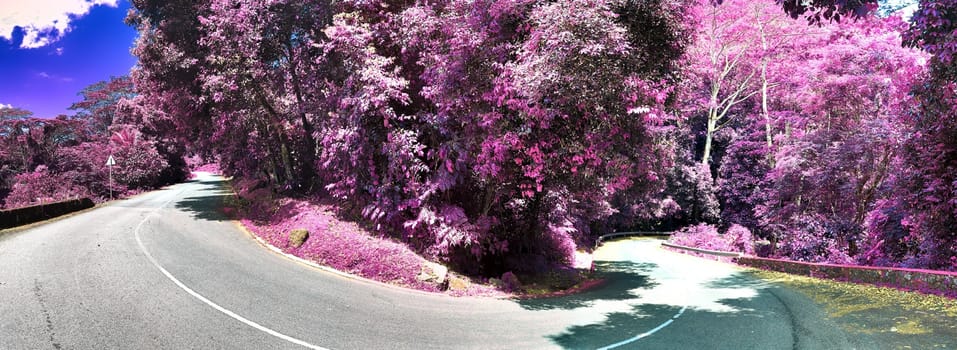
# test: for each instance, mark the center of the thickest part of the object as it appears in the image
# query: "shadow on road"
(617, 327)
(724, 311)
(621, 278)
(207, 203)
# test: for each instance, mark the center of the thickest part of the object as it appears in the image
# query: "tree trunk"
(709, 136)
(306, 173)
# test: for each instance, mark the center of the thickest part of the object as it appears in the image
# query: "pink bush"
(511, 282)
(702, 236)
(740, 238)
(736, 239)
(209, 168)
(433, 119)
(138, 166)
(40, 186)
(198, 163)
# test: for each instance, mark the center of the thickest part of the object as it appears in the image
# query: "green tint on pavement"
(893, 318)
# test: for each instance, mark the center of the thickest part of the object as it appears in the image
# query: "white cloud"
(43, 21)
(46, 75)
(2, 106)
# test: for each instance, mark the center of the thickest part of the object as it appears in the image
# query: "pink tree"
(745, 54)
(721, 75)
(831, 172)
(98, 107)
(435, 119)
(914, 226)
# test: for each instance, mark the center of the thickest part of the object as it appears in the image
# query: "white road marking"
(645, 334)
(136, 233)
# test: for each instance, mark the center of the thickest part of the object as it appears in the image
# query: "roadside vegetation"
(44, 160)
(500, 137)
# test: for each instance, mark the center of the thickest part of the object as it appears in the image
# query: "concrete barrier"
(27, 215)
(927, 281)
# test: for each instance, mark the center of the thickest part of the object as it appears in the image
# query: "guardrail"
(613, 235)
(702, 251)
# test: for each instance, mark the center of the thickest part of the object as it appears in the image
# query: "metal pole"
(111, 181)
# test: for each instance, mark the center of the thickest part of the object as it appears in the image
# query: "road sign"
(110, 163)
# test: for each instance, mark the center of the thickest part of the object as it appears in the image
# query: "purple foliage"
(66, 156)
(339, 244)
(740, 238)
(40, 186)
(495, 134)
(511, 282)
(742, 181)
(692, 187)
(702, 236)
(489, 133)
(138, 164)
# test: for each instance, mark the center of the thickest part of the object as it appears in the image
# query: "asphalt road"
(164, 270)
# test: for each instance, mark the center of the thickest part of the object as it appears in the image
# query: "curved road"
(163, 270)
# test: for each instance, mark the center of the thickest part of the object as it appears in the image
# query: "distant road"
(164, 270)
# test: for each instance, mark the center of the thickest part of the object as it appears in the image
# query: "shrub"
(702, 236)
(40, 186)
(511, 282)
(737, 239)
(740, 238)
(138, 166)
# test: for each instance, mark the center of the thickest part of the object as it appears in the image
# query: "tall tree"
(265, 70)
(915, 226)
(832, 171)
(98, 107)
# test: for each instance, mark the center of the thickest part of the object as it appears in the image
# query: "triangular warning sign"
(111, 161)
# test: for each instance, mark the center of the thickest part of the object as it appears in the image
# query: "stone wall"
(27, 215)
(927, 281)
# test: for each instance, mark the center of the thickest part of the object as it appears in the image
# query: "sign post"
(110, 163)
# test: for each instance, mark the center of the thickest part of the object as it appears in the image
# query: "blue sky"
(69, 45)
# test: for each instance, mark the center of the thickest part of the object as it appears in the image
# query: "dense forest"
(502, 135)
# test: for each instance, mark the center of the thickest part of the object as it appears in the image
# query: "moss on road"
(895, 319)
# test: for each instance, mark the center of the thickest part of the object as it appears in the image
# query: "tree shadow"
(208, 202)
(715, 303)
(713, 309)
(617, 327)
(744, 279)
(620, 279)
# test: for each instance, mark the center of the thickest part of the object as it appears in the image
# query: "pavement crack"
(38, 292)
